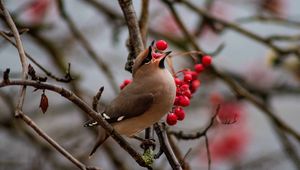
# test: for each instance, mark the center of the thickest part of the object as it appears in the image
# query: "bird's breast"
(164, 91)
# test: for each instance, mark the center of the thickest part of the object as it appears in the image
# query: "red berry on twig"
(184, 101)
(188, 77)
(161, 45)
(187, 93)
(178, 82)
(171, 119)
(199, 68)
(179, 112)
(206, 60)
(184, 87)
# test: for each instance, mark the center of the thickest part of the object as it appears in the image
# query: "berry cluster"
(186, 87)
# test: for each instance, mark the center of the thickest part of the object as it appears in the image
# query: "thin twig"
(87, 46)
(236, 87)
(207, 151)
(165, 146)
(179, 22)
(204, 22)
(182, 159)
(41, 133)
(191, 136)
(86, 108)
(239, 29)
(270, 19)
(287, 146)
(22, 55)
(284, 37)
(67, 77)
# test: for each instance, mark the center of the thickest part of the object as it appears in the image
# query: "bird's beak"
(162, 60)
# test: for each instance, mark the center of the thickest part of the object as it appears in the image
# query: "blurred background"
(252, 142)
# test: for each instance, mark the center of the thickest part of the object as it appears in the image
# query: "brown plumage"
(144, 101)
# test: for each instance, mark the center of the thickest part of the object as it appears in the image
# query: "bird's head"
(149, 60)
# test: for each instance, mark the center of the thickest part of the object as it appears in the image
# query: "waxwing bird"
(144, 101)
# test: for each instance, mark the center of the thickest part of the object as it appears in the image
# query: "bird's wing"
(125, 107)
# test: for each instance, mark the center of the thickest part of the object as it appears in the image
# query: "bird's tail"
(102, 136)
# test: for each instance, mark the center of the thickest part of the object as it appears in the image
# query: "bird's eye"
(148, 59)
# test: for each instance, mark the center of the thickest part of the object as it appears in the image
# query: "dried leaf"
(44, 103)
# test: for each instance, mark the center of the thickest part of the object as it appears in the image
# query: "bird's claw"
(146, 143)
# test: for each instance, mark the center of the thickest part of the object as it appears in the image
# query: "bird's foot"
(145, 143)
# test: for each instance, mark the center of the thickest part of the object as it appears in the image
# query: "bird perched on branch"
(144, 101)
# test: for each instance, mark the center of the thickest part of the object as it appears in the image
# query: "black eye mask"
(149, 56)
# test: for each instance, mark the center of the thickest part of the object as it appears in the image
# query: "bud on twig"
(6, 75)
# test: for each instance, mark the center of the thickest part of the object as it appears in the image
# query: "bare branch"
(207, 151)
(135, 38)
(67, 77)
(239, 29)
(179, 22)
(270, 19)
(236, 87)
(87, 46)
(87, 109)
(60, 149)
(22, 55)
(191, 136)
(165, 146)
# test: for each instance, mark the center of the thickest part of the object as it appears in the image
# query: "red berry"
(156, 55)
(161, 45)
(171, 119)
(194, 75)
(187, 93)
(122, 86)
(178, 91)
(199, 68)
(206, 60)
(184, 101)
(196, 84)
(179, 112)
(184, 87)
(127, 81)
(188, 77)
(176, 101)
(178, 82)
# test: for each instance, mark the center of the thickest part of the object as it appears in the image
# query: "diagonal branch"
(87, 46)
(191, 136)
(53, 143)
(165, 146)
(67, 77)
(237, 28)
(86, 108)
(239, 90)
(22, 55)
